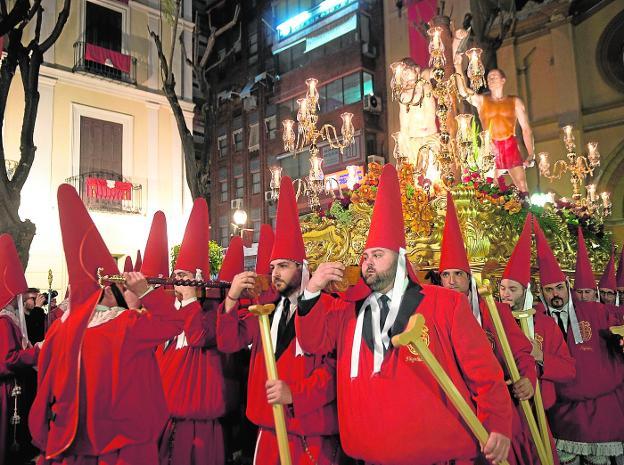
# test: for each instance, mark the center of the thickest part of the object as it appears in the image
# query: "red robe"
(522, 448)
(558, 367)
(121, 405)
(589, 409)
(311, 421)
(14, 361)
(195, 390)
(400, 416)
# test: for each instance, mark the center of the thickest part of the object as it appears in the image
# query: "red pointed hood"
(84, 247)
(549, 269)
(265, 246)
(453, 252)
(583, 274)
(288, 244)
(519, 265)
(607, 280)
(619, 280)
(157, 248)
(138, 262)
(194, 252)
(234, 261)
(85, 251)
(128, 265)
(387, 228)
(12, 280)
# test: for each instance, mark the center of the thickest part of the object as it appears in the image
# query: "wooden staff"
(263, 312)
(512, 368)
(522, 317)
(413, 338)
(618, 330)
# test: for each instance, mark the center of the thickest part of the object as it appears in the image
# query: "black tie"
(385, 309)
(560, 323)
(283, 322)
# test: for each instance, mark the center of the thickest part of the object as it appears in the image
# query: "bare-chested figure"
(499, 113)
(418, 137)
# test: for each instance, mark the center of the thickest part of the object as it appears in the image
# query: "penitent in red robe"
(14, 361)
(121, 405)
(400, 416)
(558, 367)
(195, 390)
(522, 449)
(311, 421)
(589, 409)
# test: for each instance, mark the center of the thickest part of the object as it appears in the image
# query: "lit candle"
(276, 177)
(591, 192)
(544, 164)
(606, 199)
(302, 113)
(568, 137)
(347, 127)
(464, 125)
(592, 153)
(476, 71)
(312, 87)
(288, 135)
(316, 169)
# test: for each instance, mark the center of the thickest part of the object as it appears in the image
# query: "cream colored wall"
(156, 158)
(122, 233)
(565, 87)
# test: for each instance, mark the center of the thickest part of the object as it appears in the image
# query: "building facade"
(340, 43)
(104, 126)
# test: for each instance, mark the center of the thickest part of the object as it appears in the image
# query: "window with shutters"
(222, 146)
(254, 169)
(102, 160)
(237, 140)
(254, 137)
(101, 150)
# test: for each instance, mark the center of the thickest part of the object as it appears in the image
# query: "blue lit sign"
(304, 18)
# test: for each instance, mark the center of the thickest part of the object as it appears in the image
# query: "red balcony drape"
(105, 56)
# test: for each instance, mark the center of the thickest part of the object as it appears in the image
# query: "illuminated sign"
(343, 177)
(307, 17)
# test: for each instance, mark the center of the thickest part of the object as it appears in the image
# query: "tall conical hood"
(387, 228)
(234, 261)
(85, 250)
(549, 269)
(194, 252)
(128, 266)
(583, 274)
(607, 280)
(12, 280)
(453, 252)
(519, 265)
(138, 262)
(156, 261)
(288, 244)
(265, 246)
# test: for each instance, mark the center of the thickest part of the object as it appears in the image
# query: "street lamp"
(240, 218)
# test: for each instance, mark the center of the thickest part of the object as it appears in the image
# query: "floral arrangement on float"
(490, 211)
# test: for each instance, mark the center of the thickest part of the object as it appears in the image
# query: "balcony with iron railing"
(108, 192)
(103, 62)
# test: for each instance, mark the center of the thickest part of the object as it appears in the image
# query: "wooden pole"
(413, 338)
(512, 368)
(263, 312)
(522, 317)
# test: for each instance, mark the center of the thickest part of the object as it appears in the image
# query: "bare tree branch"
(164, 66)
(173, 36)
(185, 56)
(228, 53)
(214, 33)
(58, 27)
(37, 34)
(11, 19)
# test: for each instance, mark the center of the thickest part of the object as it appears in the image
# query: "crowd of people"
(137, 373)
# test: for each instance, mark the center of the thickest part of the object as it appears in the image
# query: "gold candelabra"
(578, 166)
(308, 134)
(409, 87)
